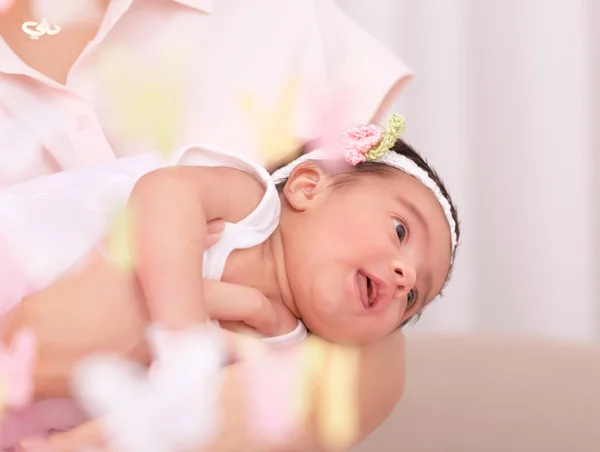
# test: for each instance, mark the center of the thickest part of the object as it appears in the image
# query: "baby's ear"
(304, 185)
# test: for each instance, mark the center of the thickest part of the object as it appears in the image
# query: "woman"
(116, 77)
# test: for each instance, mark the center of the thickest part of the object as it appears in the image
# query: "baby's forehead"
(397, 182)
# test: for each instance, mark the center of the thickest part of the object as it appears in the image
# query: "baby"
(349, 243)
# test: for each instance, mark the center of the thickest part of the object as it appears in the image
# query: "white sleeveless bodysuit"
(50, 223)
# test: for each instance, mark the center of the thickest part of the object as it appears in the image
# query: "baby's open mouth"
(367, 289)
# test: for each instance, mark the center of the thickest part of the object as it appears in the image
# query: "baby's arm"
(171, 208)
(229, 303)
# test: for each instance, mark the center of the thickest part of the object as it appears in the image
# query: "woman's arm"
(381, 385)
(382, 378)
(382, 381)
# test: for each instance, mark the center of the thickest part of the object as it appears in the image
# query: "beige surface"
(494, 394)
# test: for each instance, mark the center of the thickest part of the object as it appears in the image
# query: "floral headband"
(372, 143)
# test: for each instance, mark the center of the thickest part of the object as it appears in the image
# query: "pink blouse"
(162, 73)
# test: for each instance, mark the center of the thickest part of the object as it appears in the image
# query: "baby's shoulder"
(237, 192)
(244, 192)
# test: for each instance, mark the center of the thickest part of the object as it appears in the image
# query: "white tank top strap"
(293, 337)
(252, 230)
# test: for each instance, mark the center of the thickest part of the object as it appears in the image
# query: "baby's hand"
(214, 229)
(234, 303)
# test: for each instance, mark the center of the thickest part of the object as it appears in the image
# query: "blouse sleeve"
(357, 63)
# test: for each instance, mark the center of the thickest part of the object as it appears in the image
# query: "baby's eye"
(411, 297)
(400, 229)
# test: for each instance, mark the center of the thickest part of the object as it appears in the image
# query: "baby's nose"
(405, 278)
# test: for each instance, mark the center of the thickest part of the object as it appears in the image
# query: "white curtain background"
(506, 105)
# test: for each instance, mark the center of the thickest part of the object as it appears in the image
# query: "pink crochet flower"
(357, 141)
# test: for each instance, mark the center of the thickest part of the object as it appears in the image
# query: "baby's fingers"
(234, 303)
(214, 229)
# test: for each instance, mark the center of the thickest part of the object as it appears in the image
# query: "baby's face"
(362, 258)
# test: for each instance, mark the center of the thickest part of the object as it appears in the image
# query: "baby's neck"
(263, 267)
(275, 254)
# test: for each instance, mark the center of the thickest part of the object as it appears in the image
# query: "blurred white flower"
(171, 408)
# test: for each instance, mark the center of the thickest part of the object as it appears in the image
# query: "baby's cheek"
(349, 229)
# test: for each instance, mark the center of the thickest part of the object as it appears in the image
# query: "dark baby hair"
(399, 147)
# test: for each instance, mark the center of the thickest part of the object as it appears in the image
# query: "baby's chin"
(334, 318)
(334, 328)
(344, 337)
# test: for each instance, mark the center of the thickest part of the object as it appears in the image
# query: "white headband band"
(389, 158)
